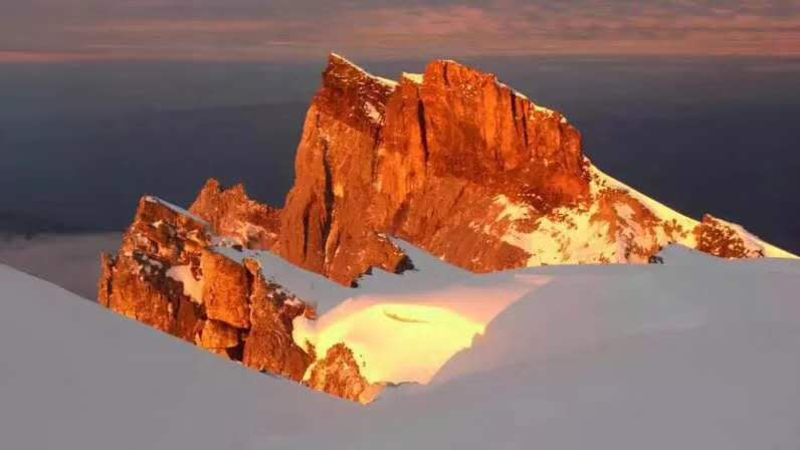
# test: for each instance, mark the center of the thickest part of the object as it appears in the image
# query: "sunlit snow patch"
(408, 338)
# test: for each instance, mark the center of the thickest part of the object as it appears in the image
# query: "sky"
(52, 31)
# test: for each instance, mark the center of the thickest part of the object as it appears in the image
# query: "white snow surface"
(601, 180)
(520, 95)
(405, 328)
(695, 353)
(417, 78)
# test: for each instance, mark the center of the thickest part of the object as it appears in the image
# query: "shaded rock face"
(168, 276)
(421, 160)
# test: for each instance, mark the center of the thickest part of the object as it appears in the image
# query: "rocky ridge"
(170, 274)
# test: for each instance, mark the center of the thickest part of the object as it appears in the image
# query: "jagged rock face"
(476, 127)
(135, 283)
(168, 276)
(421, 160)
(320, 229)
(338, 374)
(269, 346)
(233, 214)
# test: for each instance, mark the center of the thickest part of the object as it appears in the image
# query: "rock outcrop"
(451, 160)
(231, 213)
(169, 276)
(726, 240)
(338, 374)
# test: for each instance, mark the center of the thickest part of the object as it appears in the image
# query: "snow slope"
(617, 225)
(74, 375)
(695, 353)
(70, 261)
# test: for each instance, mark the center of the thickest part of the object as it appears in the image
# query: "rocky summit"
(452, 161)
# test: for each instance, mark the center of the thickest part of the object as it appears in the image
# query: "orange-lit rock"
(168, 276)
(141, 296)
(719, 238)
(189, 320)
(325, 224)
(269, 346)
(338, 374)
(232, 213)
(104, 284)
(225, 290)
(216, 335)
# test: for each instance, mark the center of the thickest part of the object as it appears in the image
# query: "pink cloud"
(500, 27)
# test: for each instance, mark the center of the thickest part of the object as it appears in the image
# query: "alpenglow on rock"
(465, 167)
(451, 161)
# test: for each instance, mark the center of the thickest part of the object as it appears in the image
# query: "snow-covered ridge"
(586, 234)
(391, 84)
(417, 78)
(600, 181)
(518, 94)
(175, 208)
(667, 214)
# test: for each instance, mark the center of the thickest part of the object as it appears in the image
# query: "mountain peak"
(453, 162)
(374, 154)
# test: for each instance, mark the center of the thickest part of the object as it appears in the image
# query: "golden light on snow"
(401, 342)
(408, 338)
